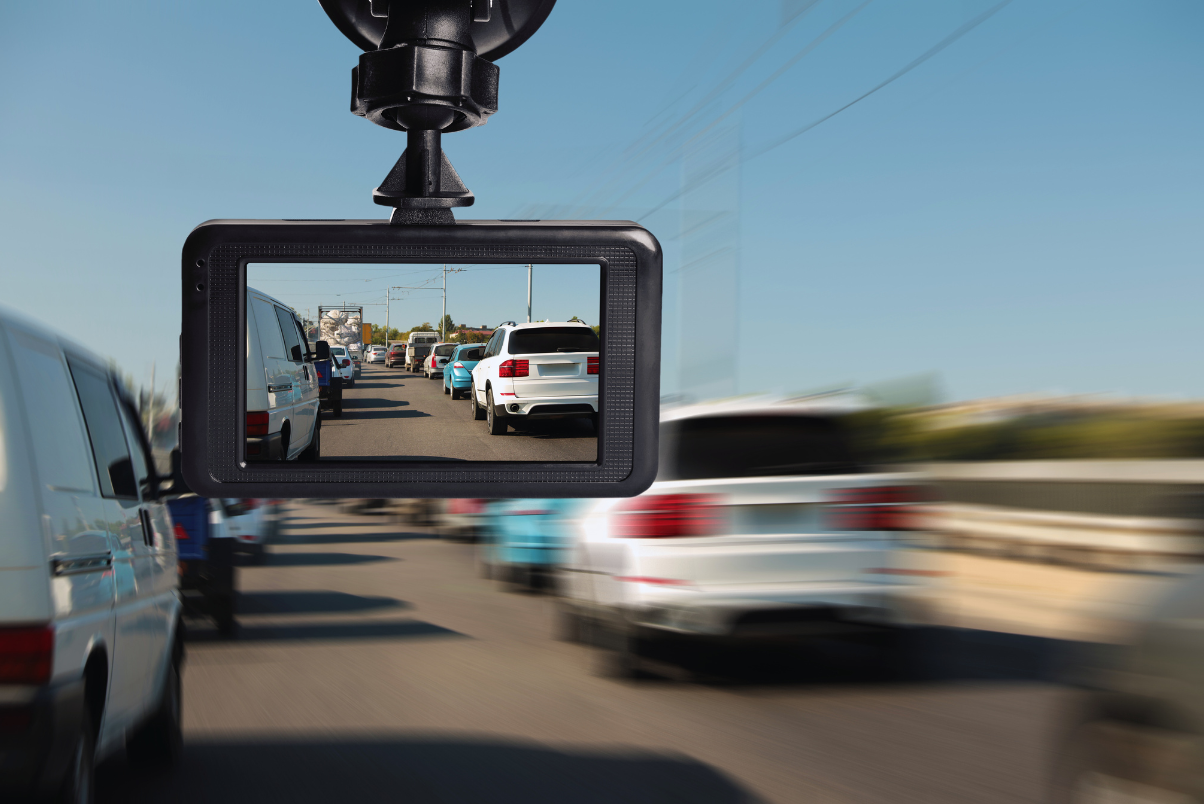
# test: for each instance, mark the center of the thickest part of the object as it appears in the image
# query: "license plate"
(557, 369)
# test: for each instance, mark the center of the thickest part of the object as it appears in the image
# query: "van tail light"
(514, 368)
(257, 423)
(874, 508)
(26, 655)
(668, 516)
(591, 365)
(179, 532)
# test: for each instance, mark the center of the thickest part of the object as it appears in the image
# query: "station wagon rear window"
(445, 350)
(753, 446)
(553, 339)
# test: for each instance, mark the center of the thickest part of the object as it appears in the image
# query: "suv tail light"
(591, 365)
(257, 423)
(667, 516)
(873, 508)
(26, 655)
(514, 368)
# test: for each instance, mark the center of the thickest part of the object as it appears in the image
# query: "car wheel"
(455, 393)
(314, 451)
(161, 740)
(79, 782)
(494, 423)
(477, 413)
(446, 390)
(622, 653)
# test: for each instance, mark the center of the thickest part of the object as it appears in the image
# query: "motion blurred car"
(376, 354)
(251, 523)
(1138, 736)
(760, 525)
(396, 355)
(433, 366)
(91, 641)
(283, 394)
(536, 371)
(458, 378)
(461, 519)
(522, 542)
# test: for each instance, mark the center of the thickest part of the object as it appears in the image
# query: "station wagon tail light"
(873, 508)
(514, 368)
(668, 516)
(257, 423)
(26, 655)
(591, 365)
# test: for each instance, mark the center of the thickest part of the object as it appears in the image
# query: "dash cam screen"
(421, 362)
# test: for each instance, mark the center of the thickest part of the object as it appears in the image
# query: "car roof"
(272, 299)
(767, 405)
(538, 324)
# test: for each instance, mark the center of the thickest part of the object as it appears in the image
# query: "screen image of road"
(467, 362)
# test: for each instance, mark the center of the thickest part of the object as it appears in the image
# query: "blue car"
(457, 375)
(524, 541)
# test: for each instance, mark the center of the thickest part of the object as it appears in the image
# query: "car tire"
(446, 390)
(477, 413)
(314, 451)
(494, 423)
(161, 740)
(80, 780)
(223, 614)
(455, 393)
(621, 654)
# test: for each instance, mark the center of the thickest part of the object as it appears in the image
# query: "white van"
(90, 638)
(283, 423)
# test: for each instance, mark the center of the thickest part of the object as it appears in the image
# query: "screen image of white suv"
(546, 370)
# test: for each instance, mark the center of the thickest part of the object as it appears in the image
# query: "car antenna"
(427, 69)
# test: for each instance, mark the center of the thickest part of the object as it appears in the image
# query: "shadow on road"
(355, 538)
(416, 771)
(929, 655)
(304, 602)
(553, 429)
(355, 413)
(320, 559)
(405, 629)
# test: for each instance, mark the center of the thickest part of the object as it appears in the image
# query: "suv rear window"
(753, 446)
(553, 339)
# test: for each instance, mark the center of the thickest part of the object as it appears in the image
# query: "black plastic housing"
(213, 355)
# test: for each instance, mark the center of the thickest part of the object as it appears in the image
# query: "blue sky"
(1022, 212)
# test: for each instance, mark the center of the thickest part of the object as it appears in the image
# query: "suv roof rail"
(513, 324)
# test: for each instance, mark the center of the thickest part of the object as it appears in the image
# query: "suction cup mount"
(427, 69)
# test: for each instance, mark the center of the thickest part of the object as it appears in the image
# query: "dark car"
(396, 355)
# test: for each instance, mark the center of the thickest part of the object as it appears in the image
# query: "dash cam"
(286, 392)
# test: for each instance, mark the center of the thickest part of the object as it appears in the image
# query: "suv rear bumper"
(552, 407)
(37, 738)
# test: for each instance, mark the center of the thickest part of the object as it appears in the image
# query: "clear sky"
(477, 295)
(1020, 212)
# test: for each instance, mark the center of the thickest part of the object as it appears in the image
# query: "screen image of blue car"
(500, 362)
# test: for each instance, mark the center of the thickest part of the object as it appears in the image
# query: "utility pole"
(388, 291)
(443, 320)
(529, 294)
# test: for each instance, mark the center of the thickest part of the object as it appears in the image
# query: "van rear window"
(753, 446)
(553, 339)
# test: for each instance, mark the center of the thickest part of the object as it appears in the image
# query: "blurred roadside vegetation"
(887, 435)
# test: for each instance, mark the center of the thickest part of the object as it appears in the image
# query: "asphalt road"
(393, 413)
(373, 664)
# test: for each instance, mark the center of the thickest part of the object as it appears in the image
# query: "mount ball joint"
(422, 72)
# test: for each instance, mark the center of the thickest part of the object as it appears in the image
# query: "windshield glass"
(553, 339)
(753, 446)
(338, 350)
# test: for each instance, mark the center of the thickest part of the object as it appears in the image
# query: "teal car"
(457, 374)
(524, 541)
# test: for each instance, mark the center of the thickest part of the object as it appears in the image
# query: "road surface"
(373, 664)
(393, 413)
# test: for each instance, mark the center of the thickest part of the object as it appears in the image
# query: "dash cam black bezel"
(212, 398)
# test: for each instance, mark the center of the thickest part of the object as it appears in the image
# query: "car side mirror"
(321, 350)
(178, 485)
